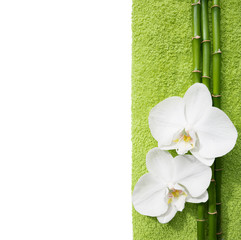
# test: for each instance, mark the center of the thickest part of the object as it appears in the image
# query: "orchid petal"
(217, 134)
(172, 146)
(149, 196)
(197, 101)
(168, 216)
(206, 161)
(192, 174)
(160, 164)
(202, 198)
(166, 119)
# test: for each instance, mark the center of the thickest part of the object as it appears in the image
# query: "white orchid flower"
(192, 124)
(169, 184)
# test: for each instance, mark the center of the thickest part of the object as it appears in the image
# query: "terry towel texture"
(162, 66)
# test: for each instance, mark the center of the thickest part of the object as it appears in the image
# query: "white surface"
(65, 149)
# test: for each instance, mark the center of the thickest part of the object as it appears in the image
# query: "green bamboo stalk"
(216, 101)
(218, 177)
(206, 50)
(216, 52)
(196, 39)
(206, 44)
(201, 221)
(212, 218)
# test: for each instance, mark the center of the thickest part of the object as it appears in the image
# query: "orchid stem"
(196, 39)
(216, 102)
(206, 51)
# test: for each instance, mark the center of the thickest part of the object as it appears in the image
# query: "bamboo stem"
(216, 100)
(206, 50)
(216, 52)
(201, 221)
(212, 218)
(196, 39)
(206, 44)
(218, 176)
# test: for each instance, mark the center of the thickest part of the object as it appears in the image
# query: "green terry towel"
(162, 67)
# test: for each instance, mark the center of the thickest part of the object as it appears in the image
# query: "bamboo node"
(214, 95)
(219, 169)
(205, 41)
(215, 6)
(206, 77)
(196, 71)
(212, 213)
(220, 233)
(218, 203)
(196, 37)
(201, 220)
(217, 52)
(198, 3)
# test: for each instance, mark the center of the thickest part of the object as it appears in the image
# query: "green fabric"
(162, 66)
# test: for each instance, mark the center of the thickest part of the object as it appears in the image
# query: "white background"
(65, 120)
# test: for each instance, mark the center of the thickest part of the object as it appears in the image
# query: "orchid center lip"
(184, 135)
(174, 193)
(185, 140)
